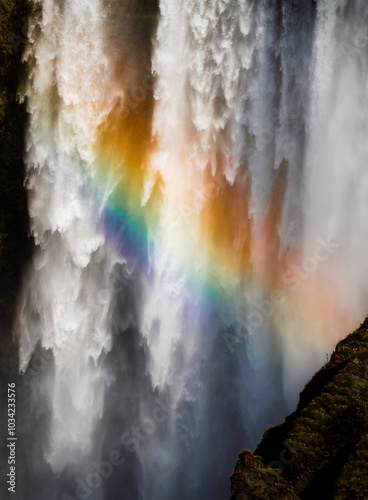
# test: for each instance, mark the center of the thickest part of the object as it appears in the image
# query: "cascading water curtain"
(198, 200)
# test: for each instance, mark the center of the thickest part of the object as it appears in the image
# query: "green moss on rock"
(321, 449)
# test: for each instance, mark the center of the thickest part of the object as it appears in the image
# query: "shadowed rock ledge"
(321, 450)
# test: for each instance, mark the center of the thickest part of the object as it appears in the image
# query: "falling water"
(200, 240)
(66, 297)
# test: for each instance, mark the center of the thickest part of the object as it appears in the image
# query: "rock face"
(321, 450)
(14, 245)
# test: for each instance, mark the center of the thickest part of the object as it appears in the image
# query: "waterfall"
(66, 295)
(197, 196)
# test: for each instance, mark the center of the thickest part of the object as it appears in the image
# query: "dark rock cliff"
(321, 450)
